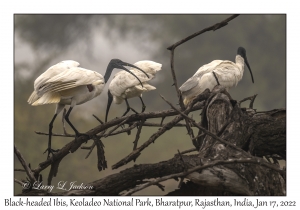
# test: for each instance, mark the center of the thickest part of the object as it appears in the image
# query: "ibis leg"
(72, 126)
(49, 149)
(128, 108)
(144, 106)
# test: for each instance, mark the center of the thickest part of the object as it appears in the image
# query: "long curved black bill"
(122, 67)
(246, 61)
(109, 101)
(128, 64)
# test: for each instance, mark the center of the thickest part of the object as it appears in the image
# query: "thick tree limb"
(198, 168)
(115, 184)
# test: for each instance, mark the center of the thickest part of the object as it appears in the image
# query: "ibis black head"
(117, 63)
(242, 52)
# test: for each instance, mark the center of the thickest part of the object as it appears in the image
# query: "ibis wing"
(71, 78)
(207, 68)
(53, 71)
(189, 84)
(197, 77)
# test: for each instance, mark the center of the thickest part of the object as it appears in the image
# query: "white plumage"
(123, 85)
(227, 73)
(68, 84)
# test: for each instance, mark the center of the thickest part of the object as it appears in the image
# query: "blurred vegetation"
(92, 40)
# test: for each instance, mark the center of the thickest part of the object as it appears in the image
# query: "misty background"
(41, 41)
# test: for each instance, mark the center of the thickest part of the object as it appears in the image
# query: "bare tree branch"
(55, 134)
(211, 28)
(251, 98)
(127, 130)
(19, 182)
(198, 168)
(129, 178)
(138, 134)
(74, 145)
(25, 165)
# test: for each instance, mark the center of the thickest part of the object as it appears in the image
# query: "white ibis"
(222, 72)
(123, 85)
(68, 84)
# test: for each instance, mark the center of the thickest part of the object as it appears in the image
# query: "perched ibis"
(222, 72)
(123, 85)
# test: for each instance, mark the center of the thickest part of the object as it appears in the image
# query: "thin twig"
(252, 101)
(19, 182)
(211, 28)
(251, 98)
(87, 147)
(25, 165)
(151, 124)
(189, 130)
(125, 129)
(162, 120)
(116, 127)
(95, 138)
(160, 186)
(54, 134)
(185, 168)
(90, 148)
(18, 169)
(184, 165)
(100, 121)
(175, 80)
(189, 150)
(275, 156)
(138, 134)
